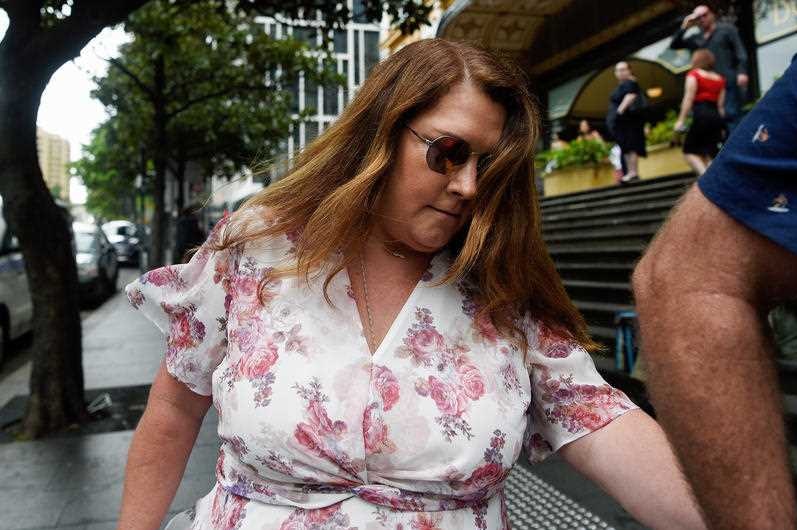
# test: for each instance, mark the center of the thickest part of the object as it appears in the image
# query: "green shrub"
(664, 131)
(578, 153)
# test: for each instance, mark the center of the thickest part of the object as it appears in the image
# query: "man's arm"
(679, 42)
(741, 56)
(702, 291)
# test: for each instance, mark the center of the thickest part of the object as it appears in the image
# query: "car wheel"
(113, 283)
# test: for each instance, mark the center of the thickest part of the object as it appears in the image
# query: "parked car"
(16, 306)
(127, 238)
(97, 265)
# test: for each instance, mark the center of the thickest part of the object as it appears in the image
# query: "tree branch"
(139, 83)
(190, 103)
(23, 9)
(51, 47)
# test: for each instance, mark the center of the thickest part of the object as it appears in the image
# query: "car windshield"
(84, 242)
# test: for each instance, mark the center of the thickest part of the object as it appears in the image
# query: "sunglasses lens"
(445, 152)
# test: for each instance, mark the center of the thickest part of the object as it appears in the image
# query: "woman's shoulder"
(255, 230)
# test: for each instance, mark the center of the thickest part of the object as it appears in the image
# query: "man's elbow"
(646, 280)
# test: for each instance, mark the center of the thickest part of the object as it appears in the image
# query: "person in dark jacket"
(625, 124)
(189, 235)
(723, 40)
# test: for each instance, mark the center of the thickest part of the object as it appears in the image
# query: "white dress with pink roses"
(318, 433)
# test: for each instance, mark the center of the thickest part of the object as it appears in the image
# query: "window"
(371, 50)
(297, 138)
(294, 90)
(305, 35)
(310, 131)
(331, 100)
(85, 242)
(358, 11)
(310, 95)
(345, 70)
(341, 41)
(356, 57)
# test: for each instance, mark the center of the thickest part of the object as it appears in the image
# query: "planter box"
(663, 161)
(573, 179)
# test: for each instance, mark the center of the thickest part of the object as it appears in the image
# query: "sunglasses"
(445, 152)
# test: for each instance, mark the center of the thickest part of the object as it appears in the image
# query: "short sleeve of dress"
(569, 397)
(188, 303)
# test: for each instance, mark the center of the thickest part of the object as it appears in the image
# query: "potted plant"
(582, 164)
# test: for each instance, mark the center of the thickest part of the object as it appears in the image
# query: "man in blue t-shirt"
(726, 256)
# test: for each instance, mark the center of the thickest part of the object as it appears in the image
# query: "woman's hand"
(680, 126)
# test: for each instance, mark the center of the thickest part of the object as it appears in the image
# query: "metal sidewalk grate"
(534, 504)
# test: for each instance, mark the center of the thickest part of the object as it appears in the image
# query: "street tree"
(204, 85)
(43, 35)
(108, 167)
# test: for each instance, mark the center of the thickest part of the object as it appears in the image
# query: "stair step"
(671, 195)
(603, 307)
(646, 207)
(592, 249)
(630, 220)
(618, 286)
(610, 191)
(646, 232)
(595, 265)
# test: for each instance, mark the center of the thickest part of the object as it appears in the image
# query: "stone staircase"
(595, 237)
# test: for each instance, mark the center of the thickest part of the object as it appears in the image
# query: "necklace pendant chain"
(372, 342)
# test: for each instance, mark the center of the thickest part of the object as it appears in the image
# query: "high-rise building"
(54, 160)
(355, 50)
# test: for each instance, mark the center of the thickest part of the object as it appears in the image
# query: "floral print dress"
(318, 433)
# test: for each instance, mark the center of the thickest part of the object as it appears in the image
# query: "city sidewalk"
(76, 482)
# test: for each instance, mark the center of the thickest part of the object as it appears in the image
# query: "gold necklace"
(372, 344)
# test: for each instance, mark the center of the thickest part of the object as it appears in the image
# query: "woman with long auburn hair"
(382, 330)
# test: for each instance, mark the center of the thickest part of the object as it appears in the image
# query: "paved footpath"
(76, 483)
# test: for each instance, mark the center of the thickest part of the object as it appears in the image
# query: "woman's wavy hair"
(703, 58)
(330, 194)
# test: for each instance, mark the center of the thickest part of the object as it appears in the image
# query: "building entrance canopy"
(549, 36)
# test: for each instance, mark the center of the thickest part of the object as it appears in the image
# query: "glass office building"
(355, 50)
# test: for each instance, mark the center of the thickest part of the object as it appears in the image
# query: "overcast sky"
(67, 108)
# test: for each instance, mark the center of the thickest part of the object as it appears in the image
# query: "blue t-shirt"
(754, 178)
